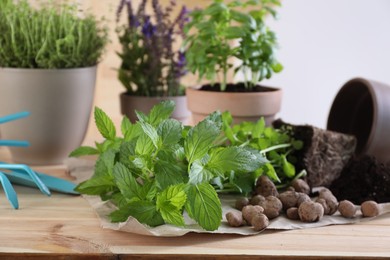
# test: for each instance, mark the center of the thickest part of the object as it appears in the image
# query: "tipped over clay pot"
(362, 108)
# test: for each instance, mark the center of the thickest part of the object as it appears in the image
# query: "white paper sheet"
(83, 169)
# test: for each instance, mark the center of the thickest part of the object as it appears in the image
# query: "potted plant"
(227, 38)
(48, 61)
(152, 61)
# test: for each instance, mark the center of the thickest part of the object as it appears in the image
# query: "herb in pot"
(49, 37)
(152, 61)
(159, 168)
(237, 29)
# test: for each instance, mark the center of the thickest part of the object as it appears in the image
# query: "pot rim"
(271, 90)
(367, 84)
(125, 94)
(36, 70)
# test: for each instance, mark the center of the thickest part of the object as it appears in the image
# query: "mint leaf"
(199, 173)
(126, 151)
(125, 125)
(150, 131)
(288, 168)
(170, 203)
(108, 145)
(83, 150)
(204, 206)
(144, 211)
(170, 132)
(97, 185)
(269, 170)
(235, 158)
(105, 164)
(258, 128)
(130, 131)
(126, 183)
(167, 174)
(104, 124)
(161, 111)
(144, 145)
(199, 140)
(171, 215)
(141, 116)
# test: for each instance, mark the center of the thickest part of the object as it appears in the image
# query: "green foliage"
(277, 145)
(50, 37)
(159, 168)
(237, 29)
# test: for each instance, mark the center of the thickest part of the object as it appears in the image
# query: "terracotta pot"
(60, 103)
(362, 108)
(130, 103)
(242, 106)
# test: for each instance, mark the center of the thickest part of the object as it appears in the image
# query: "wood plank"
(66, 225)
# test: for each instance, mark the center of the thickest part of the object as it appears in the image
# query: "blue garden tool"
(24, 175)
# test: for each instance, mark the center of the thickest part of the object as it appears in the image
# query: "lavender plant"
(151, 65)
(49, 37)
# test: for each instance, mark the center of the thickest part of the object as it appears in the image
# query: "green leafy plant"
(277, 145)
(159, 168)
(237, 29)
(49, 37)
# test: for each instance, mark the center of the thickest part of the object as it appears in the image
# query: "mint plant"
(236, 29)
(277, 145)
(159, 168)
(49, 37)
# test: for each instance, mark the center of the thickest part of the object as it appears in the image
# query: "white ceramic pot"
(60, 103)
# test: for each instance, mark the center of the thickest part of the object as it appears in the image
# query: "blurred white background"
(323, 44)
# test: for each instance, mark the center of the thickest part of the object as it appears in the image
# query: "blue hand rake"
(24, 175)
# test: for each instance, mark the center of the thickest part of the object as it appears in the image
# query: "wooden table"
(66, 227)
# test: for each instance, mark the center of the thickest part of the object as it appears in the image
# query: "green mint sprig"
(277, 145)
(159, 168)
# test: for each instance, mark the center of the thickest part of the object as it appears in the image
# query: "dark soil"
(363, 179)
(324, 154)
(239, 87)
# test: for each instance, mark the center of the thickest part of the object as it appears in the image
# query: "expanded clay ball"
(257, 200)
(289, 199)
(330, 199)
(265, 187)
(324, 205)
(292, 213)
(370, 208)
(302, 197)
(248, 212)
(260, 222)
(310, 211)
(272, 207)
(347, 209)
(234, 219)
(301, 186)
(241, 202)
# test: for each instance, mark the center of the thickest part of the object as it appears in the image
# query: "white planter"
(60, 102)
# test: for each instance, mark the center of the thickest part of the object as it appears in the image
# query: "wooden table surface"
(66, 227)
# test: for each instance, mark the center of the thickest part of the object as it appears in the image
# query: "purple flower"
(180, 64)
(148, 29)
(149, 52)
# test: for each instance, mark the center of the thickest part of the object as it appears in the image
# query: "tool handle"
(15, 116)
